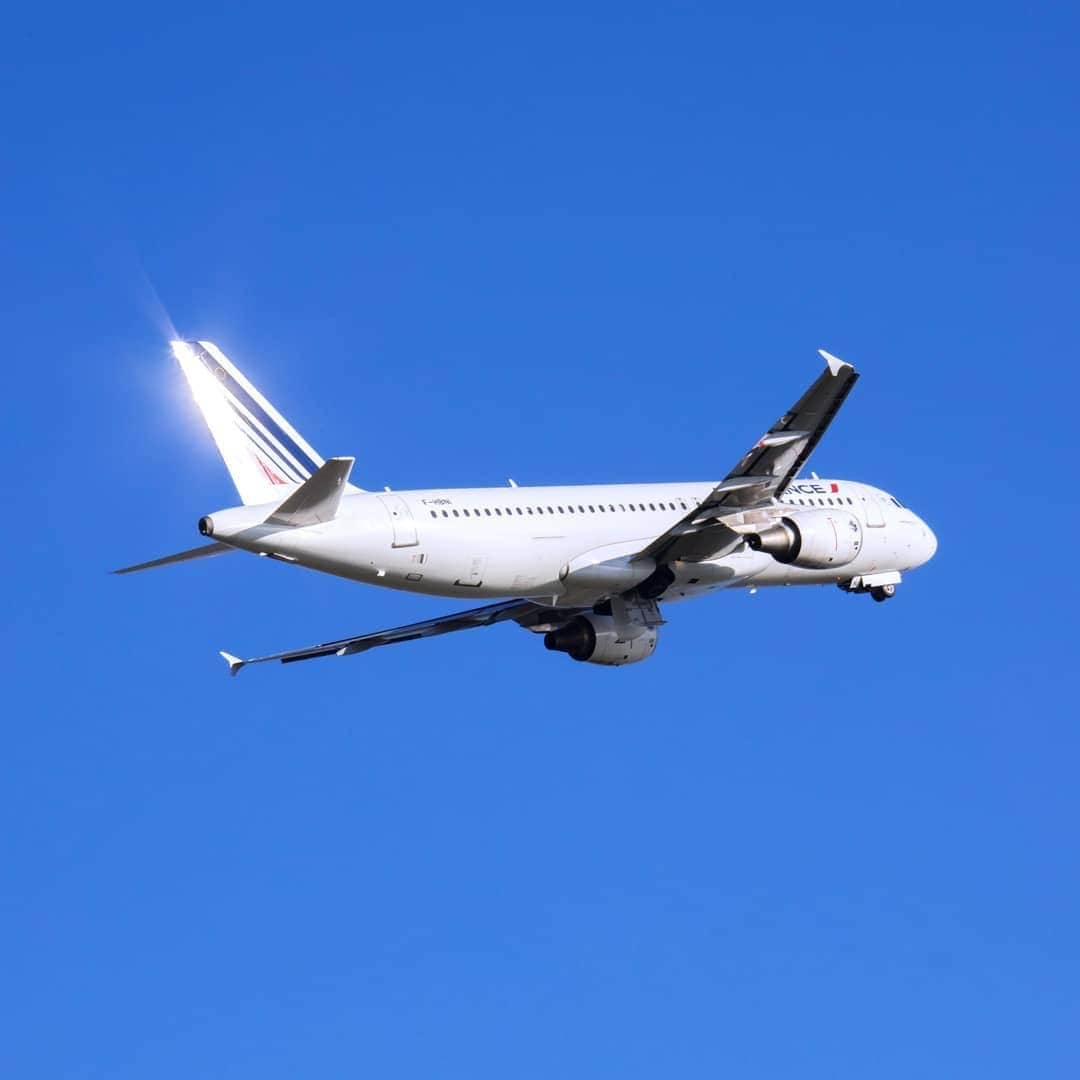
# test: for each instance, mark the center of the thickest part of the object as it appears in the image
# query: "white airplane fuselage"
(528, 542)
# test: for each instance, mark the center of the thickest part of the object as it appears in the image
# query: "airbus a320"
(586, 567)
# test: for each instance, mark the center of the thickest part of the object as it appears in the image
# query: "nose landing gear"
(880, 586)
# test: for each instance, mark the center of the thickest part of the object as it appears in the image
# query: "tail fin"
(264, 453)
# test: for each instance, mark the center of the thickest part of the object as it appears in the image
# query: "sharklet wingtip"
(836, 365)
(234, 662)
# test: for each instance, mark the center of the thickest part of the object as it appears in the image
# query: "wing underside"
(526, 613)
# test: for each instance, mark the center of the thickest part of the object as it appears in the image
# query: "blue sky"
(813, 836)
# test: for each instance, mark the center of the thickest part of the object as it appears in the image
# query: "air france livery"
(587, 567)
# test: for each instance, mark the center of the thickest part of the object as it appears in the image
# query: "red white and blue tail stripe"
(265, 455)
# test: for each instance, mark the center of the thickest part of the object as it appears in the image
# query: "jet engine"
(815, 540)
(595, 639)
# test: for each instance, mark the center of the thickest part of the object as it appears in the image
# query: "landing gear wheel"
(883, 592)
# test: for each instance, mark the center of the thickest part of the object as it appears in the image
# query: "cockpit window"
(896, 502)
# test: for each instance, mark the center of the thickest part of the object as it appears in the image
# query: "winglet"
(234, 662)
(836, 365)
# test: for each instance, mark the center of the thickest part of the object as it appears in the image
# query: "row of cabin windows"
(622, 508)
(588, 509)
(839, 502)
(820, 502)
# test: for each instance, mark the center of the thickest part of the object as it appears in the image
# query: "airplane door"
(401, 519)
(874, 516)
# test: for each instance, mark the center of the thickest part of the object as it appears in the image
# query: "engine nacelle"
(815, 540)
(594, 639)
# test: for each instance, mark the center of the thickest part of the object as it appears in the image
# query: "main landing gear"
(883, 592)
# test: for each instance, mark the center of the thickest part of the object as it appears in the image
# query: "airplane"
(585, 566)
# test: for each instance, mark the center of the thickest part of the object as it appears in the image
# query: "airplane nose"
(931, 541)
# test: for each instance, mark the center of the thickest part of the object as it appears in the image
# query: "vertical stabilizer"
(265, 455)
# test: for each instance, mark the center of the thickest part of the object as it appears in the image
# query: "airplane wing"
(524, 612)
(763, 472)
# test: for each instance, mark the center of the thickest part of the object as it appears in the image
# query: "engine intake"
(816, 540)
(594, 639)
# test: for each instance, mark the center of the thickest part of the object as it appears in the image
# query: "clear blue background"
(814, 836)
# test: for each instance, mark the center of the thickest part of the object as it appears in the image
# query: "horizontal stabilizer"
(317, 499)
(180, 556)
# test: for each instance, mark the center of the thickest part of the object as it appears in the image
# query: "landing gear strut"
(873, 584)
